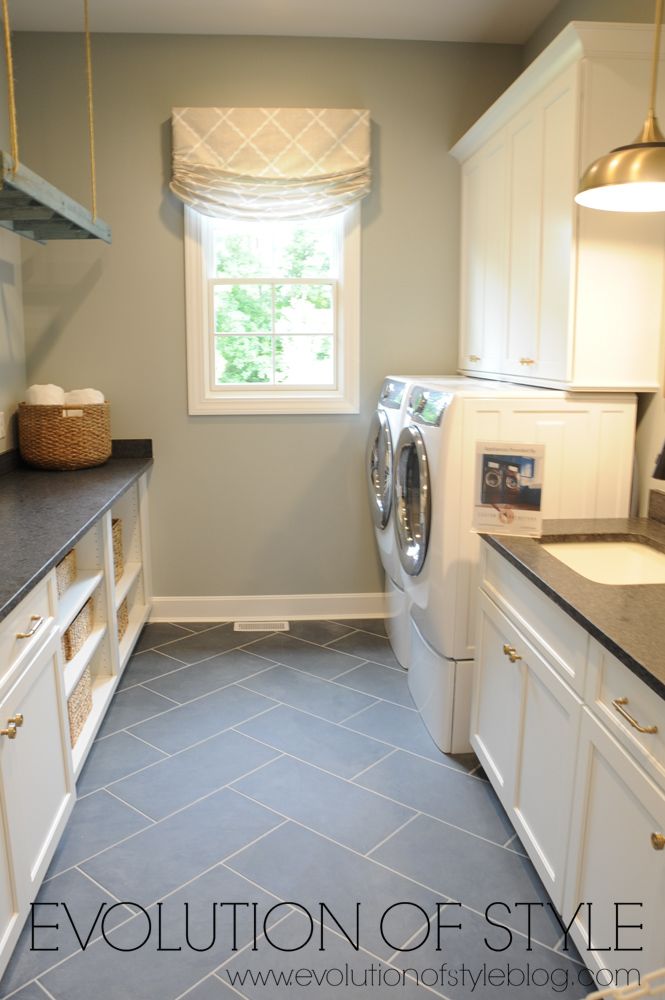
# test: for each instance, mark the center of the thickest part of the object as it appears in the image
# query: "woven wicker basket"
(79, 630)
(123, 619)
(79, 705)
(118, 558)
(64, 437)
(65, 572)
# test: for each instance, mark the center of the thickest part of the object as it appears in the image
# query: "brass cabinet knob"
(474, 357)
(658, 841)
(10, 731)
(511, 653)
(527, 361)
(17, 720)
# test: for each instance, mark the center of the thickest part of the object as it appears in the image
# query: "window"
(272, 314)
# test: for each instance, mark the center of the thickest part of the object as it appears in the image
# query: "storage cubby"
(96, 556)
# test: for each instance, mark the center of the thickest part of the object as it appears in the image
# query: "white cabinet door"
(496, 701)
(35, 770)
(616, 855)
(525, 233)
(9, 908)
(473, 265)
(525, 729)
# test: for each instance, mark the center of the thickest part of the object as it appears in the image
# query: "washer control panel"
(392, 393)
(427, 406)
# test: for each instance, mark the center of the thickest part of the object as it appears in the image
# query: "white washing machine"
(589, 446)
(384, 431)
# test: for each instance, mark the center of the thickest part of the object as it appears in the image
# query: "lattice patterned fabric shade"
(281, 163)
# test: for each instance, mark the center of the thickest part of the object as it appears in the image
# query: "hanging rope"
(91, 116)
(11, 97)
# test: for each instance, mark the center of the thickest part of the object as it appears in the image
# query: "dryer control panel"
(427, 406)
(392, 393)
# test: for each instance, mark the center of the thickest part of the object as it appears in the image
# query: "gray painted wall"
(12, 346)
(651, 410)
(245, 505)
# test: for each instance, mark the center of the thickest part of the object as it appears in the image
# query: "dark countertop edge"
(46, 568)
(11, 460)
(637, 668)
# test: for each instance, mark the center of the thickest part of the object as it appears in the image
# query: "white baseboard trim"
(279, 606)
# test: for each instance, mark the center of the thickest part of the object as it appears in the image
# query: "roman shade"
(281, 163)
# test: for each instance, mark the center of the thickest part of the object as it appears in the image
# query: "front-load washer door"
(380, 468)
(412, 500)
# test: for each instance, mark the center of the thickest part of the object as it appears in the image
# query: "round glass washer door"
(412, 500)
(380, 468)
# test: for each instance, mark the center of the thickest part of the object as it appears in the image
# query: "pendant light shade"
(631, 178)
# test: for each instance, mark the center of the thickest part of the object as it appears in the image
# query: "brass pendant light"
(631, 178)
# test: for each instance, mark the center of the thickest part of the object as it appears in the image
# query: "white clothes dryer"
(589, 446)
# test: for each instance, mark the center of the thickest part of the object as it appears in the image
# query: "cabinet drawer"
(614, 693)
(557, 636)
(32, 616)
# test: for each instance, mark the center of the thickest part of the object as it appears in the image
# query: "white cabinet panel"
(35, 770)
(617, 810)
(9, 908)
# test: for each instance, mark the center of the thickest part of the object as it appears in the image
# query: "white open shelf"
(126, 581)
(137, 619)
(103, 687)
(76, 595)
(75, 667)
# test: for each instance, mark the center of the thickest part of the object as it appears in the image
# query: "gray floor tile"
(330, 805)
(368, 647)
(113, 758)
(146, 667)
(32, 992)
(375, 625)
(156, 633)
(203, 644)
(209, 675)
(177, 781)
(471, 871)
(466, 947)
(325, 872)
(211, 988)
(200, 719)
(317, 660)
(318, 742)
(97, 821)
(310, 694)
(320, 632)
(379, 682)
(403, 727)
(446, 793)
(164, 857)
(338, 953)
(149, 974)
(132, 706)
(83, 900)
(200, 626)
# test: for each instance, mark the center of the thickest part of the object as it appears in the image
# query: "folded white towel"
(45, 395)
(81, 397)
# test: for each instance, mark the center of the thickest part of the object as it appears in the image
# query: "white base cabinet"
(553, 294)
(583, 786)
(38, 764)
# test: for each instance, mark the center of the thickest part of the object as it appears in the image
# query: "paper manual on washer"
(508, 492)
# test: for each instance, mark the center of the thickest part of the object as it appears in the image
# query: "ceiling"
(507, 21)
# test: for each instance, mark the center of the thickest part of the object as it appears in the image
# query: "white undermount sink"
(615, 562)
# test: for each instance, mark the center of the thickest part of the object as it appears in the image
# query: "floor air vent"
(260, 626)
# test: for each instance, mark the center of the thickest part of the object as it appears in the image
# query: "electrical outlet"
(2, 425)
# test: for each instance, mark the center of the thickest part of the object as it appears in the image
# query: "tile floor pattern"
(268, 770)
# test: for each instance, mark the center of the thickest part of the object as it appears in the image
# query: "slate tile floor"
(285, 771)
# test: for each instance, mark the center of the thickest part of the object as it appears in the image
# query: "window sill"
(301, 404)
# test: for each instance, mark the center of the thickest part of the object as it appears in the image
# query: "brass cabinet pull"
(17, 720)
(37, 621)
(618, 704)
(10, 731)
(658, 841)
(527, 361)
(474, 357)
(511, 653)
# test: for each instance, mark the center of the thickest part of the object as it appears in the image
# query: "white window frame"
(207, 398)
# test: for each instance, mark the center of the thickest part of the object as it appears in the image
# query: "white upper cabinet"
(553, 294)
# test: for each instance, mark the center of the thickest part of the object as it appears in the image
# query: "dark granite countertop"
(42, 514)
(629, 621)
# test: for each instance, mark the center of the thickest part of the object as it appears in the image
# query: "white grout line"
(510, 840)
(43, 988)
(343, 722)
(159, 693)
(379, 761)
(98, 885)
(400, 951)
(151, 819)
(416, 814)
